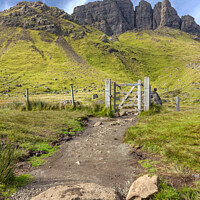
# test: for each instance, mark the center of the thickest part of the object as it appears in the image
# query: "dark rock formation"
(169, 16)
(35, 16)
(155, 98)
(111, 17)
(157, 15)
(144, 15)
(189, 25)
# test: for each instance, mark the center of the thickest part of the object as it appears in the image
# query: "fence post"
(147, 99)
(115, 98)
(139, 96)
(177, 103)
(108, 93)
(72, 94)
(27, 95)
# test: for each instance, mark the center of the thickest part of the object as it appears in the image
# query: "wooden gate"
(128, 99)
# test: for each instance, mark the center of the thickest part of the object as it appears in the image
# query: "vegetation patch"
(173, 138)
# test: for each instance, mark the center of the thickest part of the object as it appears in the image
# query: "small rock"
(94, 96)
(122, 113)
(143, 188)
(78, 163)
(98, 124)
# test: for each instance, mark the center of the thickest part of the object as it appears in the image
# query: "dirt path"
(97, 156)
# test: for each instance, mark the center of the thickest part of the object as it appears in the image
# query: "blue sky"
(183, 7)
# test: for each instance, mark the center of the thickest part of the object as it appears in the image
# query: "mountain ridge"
(118, 16)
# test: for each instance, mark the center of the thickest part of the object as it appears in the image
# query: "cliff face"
(169, 16)
(189, 25)
(157, 15)
(118, 16)
(109, 16)
(144, 15)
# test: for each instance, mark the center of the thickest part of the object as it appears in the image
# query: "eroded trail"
(97, 156)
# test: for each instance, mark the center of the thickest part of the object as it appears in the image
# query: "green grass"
(175, 135)
(35, 129)
(167, 192)
(35, 61)
(174, 139)
(18, 182)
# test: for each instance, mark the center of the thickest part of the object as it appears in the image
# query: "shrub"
(7, 163)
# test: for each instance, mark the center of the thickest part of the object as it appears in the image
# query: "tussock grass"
(175, 135)
(7, 163)
(31, 127)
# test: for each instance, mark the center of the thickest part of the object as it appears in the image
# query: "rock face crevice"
(118, 16)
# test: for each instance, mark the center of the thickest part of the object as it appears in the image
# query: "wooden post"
(108, 93)
(115, 97)
(27, 95)
(139, 96)
(177, 103)
(147, 100)
(72, 94)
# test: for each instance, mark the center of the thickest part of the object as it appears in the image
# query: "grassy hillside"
(47, 63)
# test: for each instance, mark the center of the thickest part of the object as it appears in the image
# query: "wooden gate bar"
(130, 84)
(147, 98)
(115, 98)
(108, 93)
(139, 96)
(126, 97)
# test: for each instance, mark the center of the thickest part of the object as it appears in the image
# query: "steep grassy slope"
(45, 62)
(170, 57)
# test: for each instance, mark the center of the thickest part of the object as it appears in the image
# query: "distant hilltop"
(109, 16)
(118, 16)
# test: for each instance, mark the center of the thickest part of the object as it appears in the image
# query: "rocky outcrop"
(117, 16)
(157, 15)
(35, 16)
(169, 16)
(144, 15)
(111, 17)
(189, 25)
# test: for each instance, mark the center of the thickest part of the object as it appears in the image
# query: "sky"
(183, 7)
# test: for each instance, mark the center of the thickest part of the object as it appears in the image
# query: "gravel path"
(97, 156)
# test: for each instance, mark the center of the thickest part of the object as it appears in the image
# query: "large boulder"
(88, 191)
(144, 15)
(155, 98)
(111, 17)
(143, 188)
(157, 15)
(169, 16)
(189, 25)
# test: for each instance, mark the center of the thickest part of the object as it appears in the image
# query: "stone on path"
(98, 124)
(143, 187)
(122, 113)
(87, 191)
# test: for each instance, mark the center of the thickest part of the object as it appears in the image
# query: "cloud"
(196, 14)
(5, 5)
(70, 5)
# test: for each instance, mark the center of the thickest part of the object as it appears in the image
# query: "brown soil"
(96, 156)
